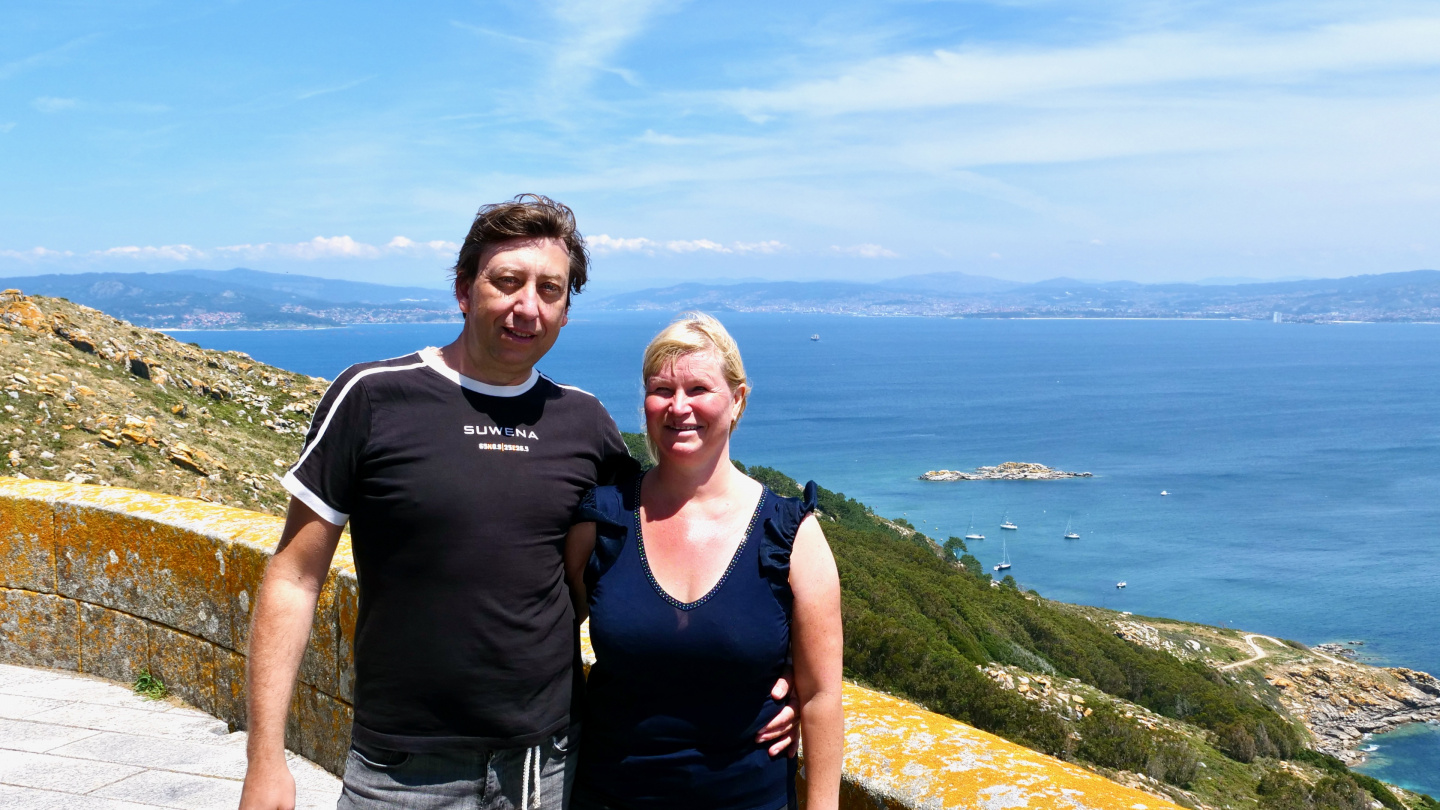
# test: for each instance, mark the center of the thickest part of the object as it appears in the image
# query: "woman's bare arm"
(579, 543)
(817, 642)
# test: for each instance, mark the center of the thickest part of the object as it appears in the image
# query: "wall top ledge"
(222, 523)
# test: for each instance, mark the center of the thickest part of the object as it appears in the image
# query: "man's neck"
(461, 358)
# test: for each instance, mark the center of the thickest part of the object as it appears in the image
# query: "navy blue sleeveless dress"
(679, 691)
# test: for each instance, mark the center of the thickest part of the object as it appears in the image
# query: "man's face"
(515, 307)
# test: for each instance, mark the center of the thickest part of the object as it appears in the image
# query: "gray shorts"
(537, 778)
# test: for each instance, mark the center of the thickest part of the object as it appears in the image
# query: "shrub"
(149, 687)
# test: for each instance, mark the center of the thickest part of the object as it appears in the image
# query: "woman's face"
(689, 407)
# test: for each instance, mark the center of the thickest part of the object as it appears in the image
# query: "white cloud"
(35, 253)
(695, 245)
(767, 247)
(49, 104)
(178, 253)
(321, 247)
(945, 78)
(439, 246)
(595, 31)
(341, 247)
(605, 244)
(866, 251)
(43, 58)
(336, 89)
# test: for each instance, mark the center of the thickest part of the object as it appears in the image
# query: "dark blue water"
(1303, 462)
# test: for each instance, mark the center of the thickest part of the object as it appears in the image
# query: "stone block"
(245, 569)
(27, 545)
(39, 630)
(185, 664)
(230, 687)
(46, 772)
(152, 570)
(168, 789)
(112, 644)
(319, 667)
(318, 728)
(347, 611)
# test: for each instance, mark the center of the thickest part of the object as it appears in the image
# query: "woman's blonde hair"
(697, 332)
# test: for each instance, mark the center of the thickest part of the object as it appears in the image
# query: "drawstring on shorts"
(532, 763)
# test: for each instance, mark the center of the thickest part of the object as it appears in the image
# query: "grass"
(149, 687)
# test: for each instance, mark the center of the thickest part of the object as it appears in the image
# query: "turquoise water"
(1406, 757)
(1303, 462)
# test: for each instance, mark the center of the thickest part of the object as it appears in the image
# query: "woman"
(701, 585)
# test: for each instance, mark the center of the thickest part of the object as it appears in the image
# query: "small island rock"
(1009, 471)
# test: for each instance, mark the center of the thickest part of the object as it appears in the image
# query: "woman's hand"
(817, 641)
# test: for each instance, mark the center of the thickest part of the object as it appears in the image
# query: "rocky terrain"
(1009, 471)
(1339, 700)
(1342, 703)
(92, 399)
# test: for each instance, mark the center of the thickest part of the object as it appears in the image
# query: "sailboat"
(1071, 534)
(815, 336)
(1006, 524)
(971, 534)
(1004, 557)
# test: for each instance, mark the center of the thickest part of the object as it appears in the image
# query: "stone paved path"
(70, 742)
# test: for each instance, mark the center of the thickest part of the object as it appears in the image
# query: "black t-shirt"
(459, 495)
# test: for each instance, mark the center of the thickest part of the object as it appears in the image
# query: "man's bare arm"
(579, 544)
(284, 612)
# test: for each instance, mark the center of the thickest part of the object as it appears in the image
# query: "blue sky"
(1027, 139)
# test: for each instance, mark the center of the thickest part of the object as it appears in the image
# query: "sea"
(1301, 461)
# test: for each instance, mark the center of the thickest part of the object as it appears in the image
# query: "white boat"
(815, 337)
(1120, 584)
(972, 534)
(1164, 492)
(1006, 524)
(1070, 534)
(1004, 557)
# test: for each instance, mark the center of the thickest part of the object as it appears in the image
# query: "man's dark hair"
(528, 216)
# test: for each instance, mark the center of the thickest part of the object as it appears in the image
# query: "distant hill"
(1409, 296)
(241, 299)
(251, 299)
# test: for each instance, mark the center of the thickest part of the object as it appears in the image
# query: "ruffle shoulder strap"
(779, 540)
(609, 508)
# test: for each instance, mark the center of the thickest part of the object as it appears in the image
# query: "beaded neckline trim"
(734, 559)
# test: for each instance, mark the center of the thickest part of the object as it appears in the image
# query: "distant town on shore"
(251, 299)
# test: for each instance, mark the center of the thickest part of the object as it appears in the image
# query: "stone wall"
(110, 581)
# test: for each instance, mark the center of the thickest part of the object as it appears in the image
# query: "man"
(458, 470)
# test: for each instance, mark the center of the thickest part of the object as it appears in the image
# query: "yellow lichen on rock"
(906, 756)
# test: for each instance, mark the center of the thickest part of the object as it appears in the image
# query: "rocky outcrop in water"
(1009, 471)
